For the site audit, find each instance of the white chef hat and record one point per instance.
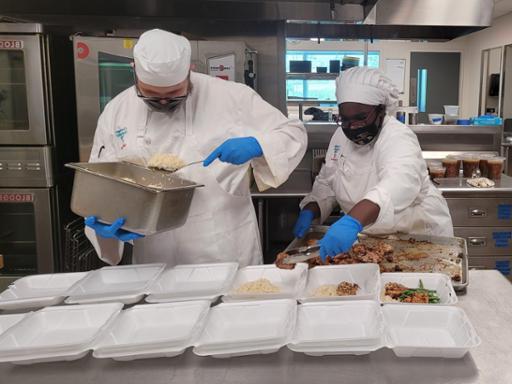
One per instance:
(162, 59)
(366, 86)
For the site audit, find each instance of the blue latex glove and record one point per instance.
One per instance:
(113, 231)
(303, 223)
(238, 150)
(340, 237)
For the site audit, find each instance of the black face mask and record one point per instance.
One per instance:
(367, 133)
(170, 105)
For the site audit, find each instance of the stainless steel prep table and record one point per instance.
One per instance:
(487, 304)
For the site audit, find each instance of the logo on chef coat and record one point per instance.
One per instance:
(336, 152)
(120, 134)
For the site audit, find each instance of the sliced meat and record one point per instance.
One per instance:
(347, 289)
(394, 290)
(279, 261)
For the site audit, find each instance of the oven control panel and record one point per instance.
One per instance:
(26, 167)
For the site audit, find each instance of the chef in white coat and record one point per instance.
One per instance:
(174, 110)
(373, 170)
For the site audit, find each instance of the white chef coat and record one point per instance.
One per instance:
(391, 173)
(222, 223)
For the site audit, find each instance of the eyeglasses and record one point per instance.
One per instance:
(359, 120)
(156, 99)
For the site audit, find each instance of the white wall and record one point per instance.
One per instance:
(499, 34)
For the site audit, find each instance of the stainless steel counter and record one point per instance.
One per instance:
(450, 185)
(487, 304)
(456, 185)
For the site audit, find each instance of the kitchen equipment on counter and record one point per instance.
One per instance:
(302, 254)
(152, 201)
(37, 136)
(435, 118)
(439, 254)
(407, 115)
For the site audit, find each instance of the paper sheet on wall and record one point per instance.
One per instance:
(395, 70)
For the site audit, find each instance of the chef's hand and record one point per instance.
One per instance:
(113, 231)
(303, 223)
(238, 150)
(340, 237)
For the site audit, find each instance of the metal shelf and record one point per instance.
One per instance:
(311, 76)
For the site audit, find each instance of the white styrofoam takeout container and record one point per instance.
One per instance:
(56, 333)
(7, 321)
(127, 284)
(150, 331)
(429, 331)
(290, 282)
(367, 276)
(436, 281)
(323, 324)
(37, 291)
(247, 328)
(193, 282)
(410, 331)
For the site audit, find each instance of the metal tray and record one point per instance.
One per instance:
(150, 201)
(452, 250)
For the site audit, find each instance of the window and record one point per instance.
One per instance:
(321, 89)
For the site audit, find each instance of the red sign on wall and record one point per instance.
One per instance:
(16, 197)
(11, 44)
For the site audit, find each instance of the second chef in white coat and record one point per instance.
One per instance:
(174, 110)
(374, 170)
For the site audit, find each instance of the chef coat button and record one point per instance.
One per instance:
(147, 140)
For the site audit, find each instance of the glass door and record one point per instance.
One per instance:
(115, 75)
(22, 101)
(26, 241)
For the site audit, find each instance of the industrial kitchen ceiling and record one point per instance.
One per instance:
(382, 19)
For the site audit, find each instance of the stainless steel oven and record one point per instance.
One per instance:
(23, 109)
(38, 136)
(103, 70)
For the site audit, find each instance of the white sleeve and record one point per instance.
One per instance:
(322, 192)
(109, 250)
(282, 140)
(400, 168)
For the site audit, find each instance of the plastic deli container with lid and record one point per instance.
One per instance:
(495, 167)
(264, 282)
(323, 282)
(193, 282)
(56, 333)
(127, 284)
(39, 290)
(470, 164)
(247, 328)
(438, 282)
(150, 331)
(452, 166)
